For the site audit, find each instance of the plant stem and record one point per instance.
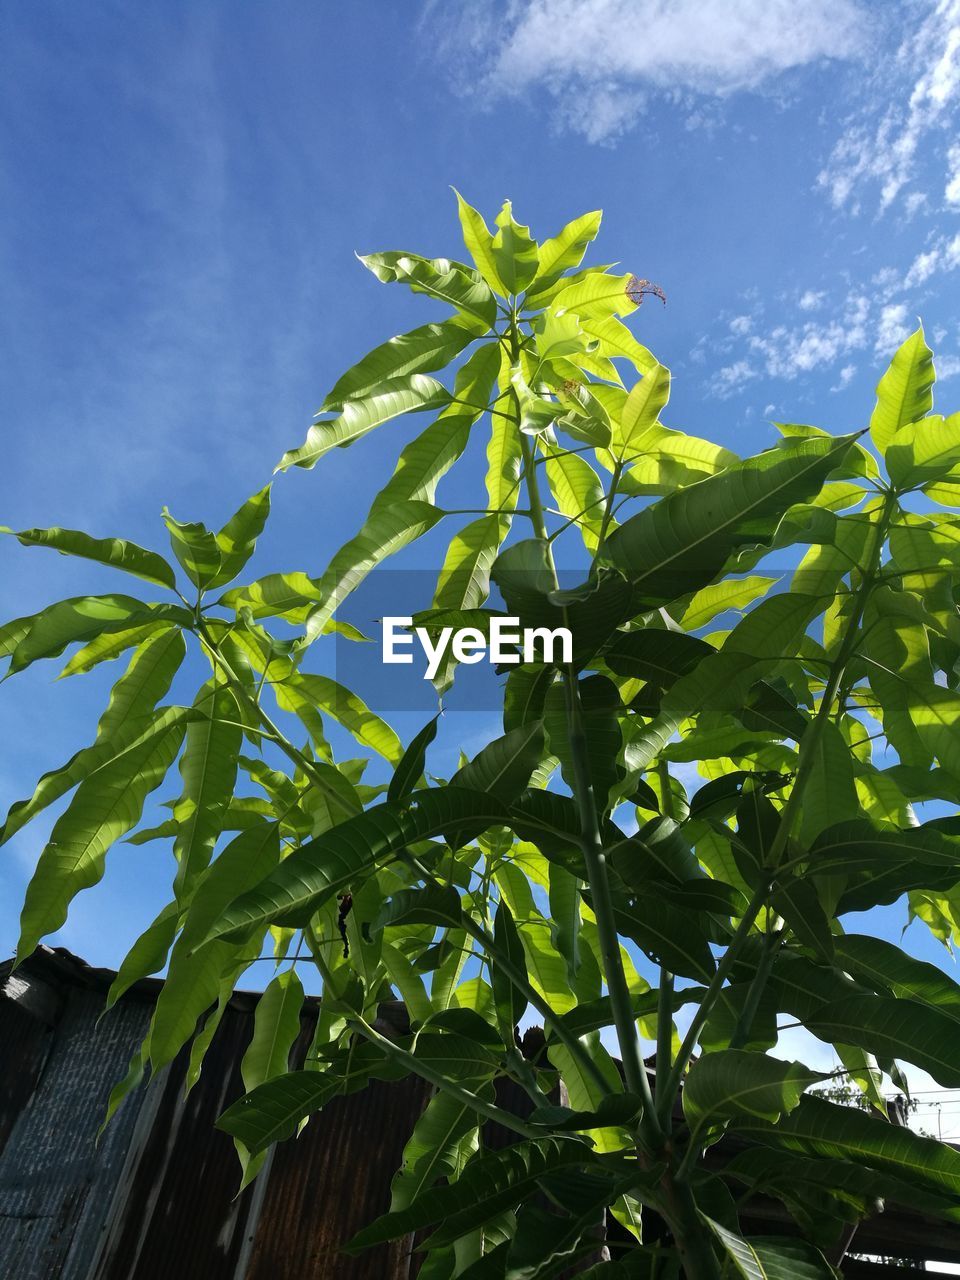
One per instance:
(695, 1248)
(665, 994)
(635, 1073)
(553, 1020)
(270, 730)
(608, 509)
(741, 1032)
(705, 1006)
(416, 1067)
(808, 748)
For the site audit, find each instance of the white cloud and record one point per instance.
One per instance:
(810, 300)
(943, 256)
(946, 367)
(892, 329)
(923, 267)
(732, 377)
(885, 153)
(741, 325)
(846, 377)
(614, 53)
(788, 352)
(952, 190)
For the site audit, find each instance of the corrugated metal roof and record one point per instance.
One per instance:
(156, 1199)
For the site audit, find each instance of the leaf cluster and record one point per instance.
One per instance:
(570, 873)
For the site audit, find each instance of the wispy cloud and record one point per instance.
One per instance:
(943, 255)
(951, 192)
(614, 54)
(892, 328)
(811, 299)
(884, 151)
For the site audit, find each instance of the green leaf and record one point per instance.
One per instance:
(578, 492)
(888, 969)
(240, 866)
(861, 846)
(560, 335)
(105, 807)
(904, 392)
(680, 543)
(514, 252)
(773, 1259)
(799, 904)
(496, 1181)
(115, 552)
(276, 1027)
(274, 1110)
(615, 339)
(146, 680)
(197, 549)
(661, 657)
(640, 412)
(466, 1058)
(47, 634)
(510, 1003)
(563, 252)
(830, 795)
(671, 935)
(315, 872)
(125, 724)
(925, 452)
(409, 771)
(822, 1128)
(430, 455)
(148, 954)
(351, 711)
(386, 530)
(238, 537)
(663, 460)
(432, 904)
(735, 1082)
(422, 350)
(439, 278)
(209, 772)
(503, 460)
(109, 647)
(600, 702)
(893, 1028)
(479, 241)
(564, 896)
(585, 1092)
(504, 766)
(732, 593)
(464, 580)
(443, 1139)
(597, 295)
(412, 393)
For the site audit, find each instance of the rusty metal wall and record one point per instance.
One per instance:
(54, 1180)
(176, 1212)
(333, 1179)
(156, 1199)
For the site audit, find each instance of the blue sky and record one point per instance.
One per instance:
(184, 187)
